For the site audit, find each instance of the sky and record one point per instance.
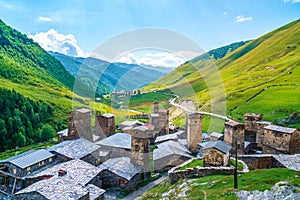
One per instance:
(78, 27)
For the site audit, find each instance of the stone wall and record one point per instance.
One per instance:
(169, 162)
(261, 161)
(295, 143)
(79, 125)
(163, 127)
(194, 130)
(276, 142)
(250, 121)
(260, 132)
(177, 175)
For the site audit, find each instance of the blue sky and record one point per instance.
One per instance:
(211, 23)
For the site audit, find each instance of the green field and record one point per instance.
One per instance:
(221, 186)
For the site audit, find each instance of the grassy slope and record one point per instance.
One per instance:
(270, 62)
(221, 186)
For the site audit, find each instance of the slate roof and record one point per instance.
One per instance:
(252, 115)
(77, 170)
(83, 110)
(74, 149)
(217, 135)
(121, 167)
(119, 140)
(141, 128)
(108, 115)
(130, 123)
(29, 158)
(280, 129)
(219, 145)
(166, 138)
(95, 191)
(154, 115)
(169, 148)
(63, 132)
(57, 188)
(205, 136)
(233, 123)
(264, 122)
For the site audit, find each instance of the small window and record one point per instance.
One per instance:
(121, 181)
(50, 159)
(14, 171)
(28, 169)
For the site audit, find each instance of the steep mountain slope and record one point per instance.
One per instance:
(111, 76)
(260, 76)
(28, 72)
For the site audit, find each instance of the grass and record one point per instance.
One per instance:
(221, 186)
(193, 164)
(271, 61)
(240, 165)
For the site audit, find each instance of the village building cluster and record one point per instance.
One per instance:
(87, 161)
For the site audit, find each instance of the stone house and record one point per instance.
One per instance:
(62, 135)
(278, 139)
(74, 179)
(170, 154)
(14, 169)
(235, 132)
(120, 172)
(105, 125)
(260, 132)
(117, 145)
(163, 125)
(216, 153)
(194, 130)
(77, 149)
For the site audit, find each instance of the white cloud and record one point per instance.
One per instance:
(161, 59)
(57, 42)
(224, 13)
(292, 1)
(241, 18)
(44, 19)
(4, 4)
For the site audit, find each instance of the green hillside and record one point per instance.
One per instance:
(36, 91)
(261, 76)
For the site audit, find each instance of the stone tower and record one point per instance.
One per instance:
(79, 124)
(163, 127)
(260, 132)
(140, 149)
(235, 131)
(194, 130)
(251, 126)
(105, 125)
(156, 107)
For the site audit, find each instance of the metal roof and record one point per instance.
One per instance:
(280, 129)
(75, 149)
(219, 145)
(29, 158)
(169, 148)
(166, 137)
(121, 167)
(119, 140)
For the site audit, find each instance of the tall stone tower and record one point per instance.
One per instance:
(140, 148)
(251, 126)
(163, 127)
(260, 132)
(105, 125)
(156, 107)
(79, 124)
(235, 131)
(194, 130)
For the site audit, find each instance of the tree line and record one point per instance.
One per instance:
(23, 121)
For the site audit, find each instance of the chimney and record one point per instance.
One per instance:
(62, 172)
